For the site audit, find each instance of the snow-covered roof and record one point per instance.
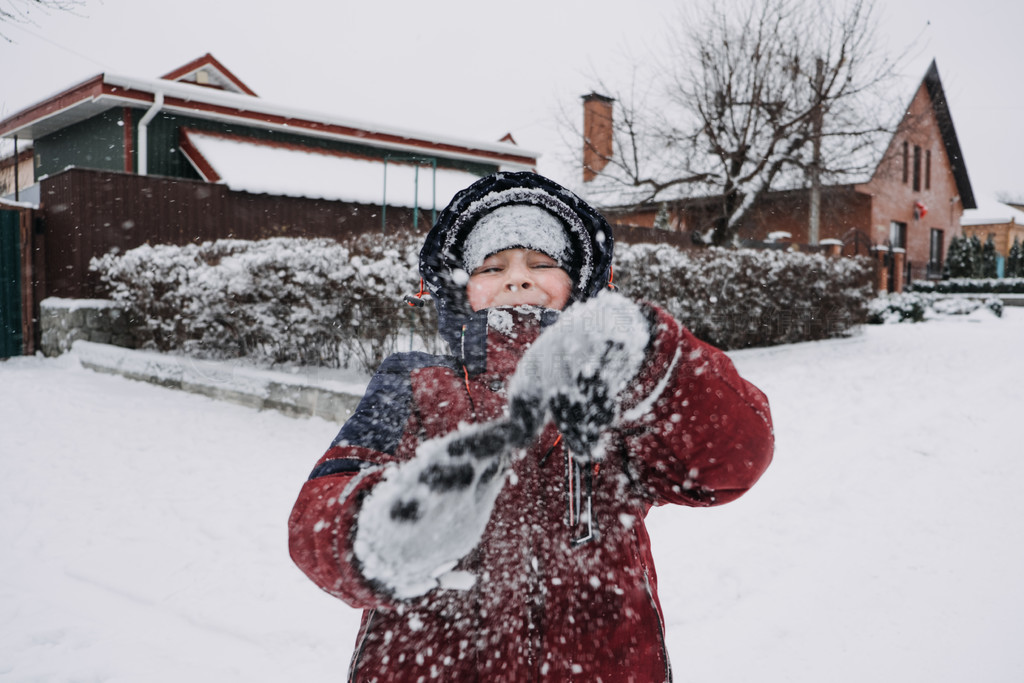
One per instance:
(230, 101)
(991, 211)
(260, 166)
(4, 201)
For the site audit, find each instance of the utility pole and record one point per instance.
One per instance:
(814, 210)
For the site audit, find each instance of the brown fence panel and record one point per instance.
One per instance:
(632, 234)
(87, 213)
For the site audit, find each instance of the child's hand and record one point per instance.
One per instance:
(578, 368)
(427, 513)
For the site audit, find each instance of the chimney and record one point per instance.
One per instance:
(597, 134)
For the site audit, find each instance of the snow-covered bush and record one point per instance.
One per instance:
(315, 301)
(739, 298)
(963, 285)
(278, 300)
(897, 308)
(919, 306)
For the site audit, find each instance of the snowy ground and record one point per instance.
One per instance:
(143, 529)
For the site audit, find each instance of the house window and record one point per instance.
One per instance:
(917, 168)
(927, 169)
(935, 253)
(906, 164)
(898, 235)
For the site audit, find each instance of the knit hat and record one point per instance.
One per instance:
(548, 224)
(516, 226)
(493, 204)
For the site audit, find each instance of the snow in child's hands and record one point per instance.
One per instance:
(579, 367)
(427, 513)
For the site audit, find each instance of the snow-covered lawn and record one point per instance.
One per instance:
(142, 530)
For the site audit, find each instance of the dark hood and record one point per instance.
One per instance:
(441, 255)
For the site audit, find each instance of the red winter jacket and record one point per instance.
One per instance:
(554, 598)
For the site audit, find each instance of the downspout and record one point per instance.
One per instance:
(143, 139)
(416, 198)
(384, 201)
(17, 178)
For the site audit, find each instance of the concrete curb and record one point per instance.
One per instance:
(295, 395)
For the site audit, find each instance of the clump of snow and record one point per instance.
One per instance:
(503, 318)
(500, 319)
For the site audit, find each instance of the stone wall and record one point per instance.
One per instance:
(62, 322)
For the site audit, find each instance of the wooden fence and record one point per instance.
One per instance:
(86, 213)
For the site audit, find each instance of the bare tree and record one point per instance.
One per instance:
(757, 95)
(22, 11)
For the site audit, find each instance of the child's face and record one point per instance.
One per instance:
(518, 277)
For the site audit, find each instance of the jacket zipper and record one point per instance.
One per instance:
(661, 627)
(358, 656)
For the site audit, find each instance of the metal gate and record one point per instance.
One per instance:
(10, 284)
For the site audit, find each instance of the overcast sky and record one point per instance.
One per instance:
(476, 69)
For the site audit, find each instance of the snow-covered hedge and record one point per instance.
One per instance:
(963, 285)
(279, 300)
(917, 307)
(315, 301)
(747, 297)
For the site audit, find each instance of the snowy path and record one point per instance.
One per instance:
(143, 529)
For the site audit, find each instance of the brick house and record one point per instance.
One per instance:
(115, 162)
(906, 212)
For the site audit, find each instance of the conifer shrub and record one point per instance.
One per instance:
(1015, 260)
(989, 261)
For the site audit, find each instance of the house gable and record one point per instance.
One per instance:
(920, 187)
(208, 72)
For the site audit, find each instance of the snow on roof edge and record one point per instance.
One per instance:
(992, 212)
(241, 102)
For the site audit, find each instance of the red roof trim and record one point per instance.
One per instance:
(208, 60)
(196, 158)
(129, 141)
(73, 95)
